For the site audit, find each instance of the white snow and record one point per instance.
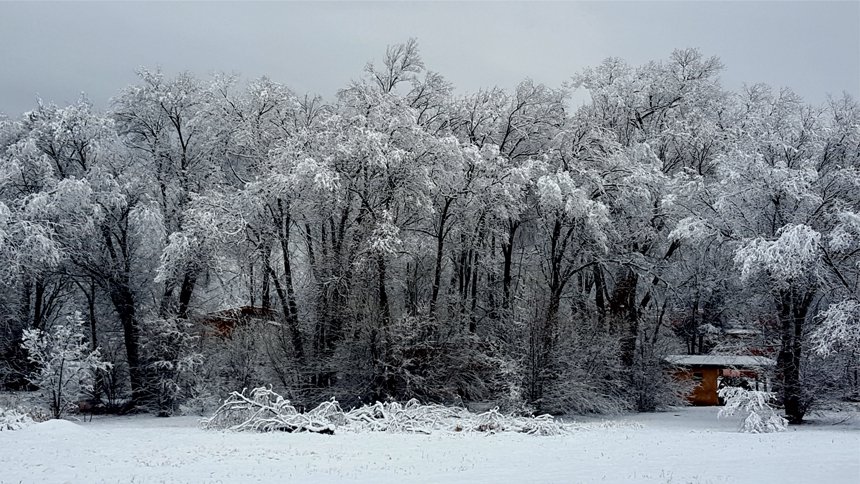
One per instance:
(57, 428)
(684, 445)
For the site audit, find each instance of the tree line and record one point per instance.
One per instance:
(413, 241)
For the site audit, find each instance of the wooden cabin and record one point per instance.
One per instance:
(708, 371)
(223, 323)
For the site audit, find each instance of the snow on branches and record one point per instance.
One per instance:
(385, 238)
(791, 255)
(846, 235)
(840, 328)
(263, 410)
(11, 419)
(65, 364)
(761, 418)
(691, 228)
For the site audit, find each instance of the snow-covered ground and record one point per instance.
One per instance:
(685, 445)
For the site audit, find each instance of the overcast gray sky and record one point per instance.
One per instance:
(57, 50)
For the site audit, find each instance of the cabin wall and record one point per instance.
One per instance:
(705, 392)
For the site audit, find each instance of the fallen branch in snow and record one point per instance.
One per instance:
(840, 422)
(264, 410)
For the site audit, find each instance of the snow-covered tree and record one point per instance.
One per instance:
(760, 416)
(65, 364)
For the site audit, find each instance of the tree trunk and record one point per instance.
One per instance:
(286, 292)
(288, 308)
(185, 292)
(437, 274)
(473, 322)
(38, 303)
(288, 282)
(492, 289)
(551, 319)
(266, 292)
(24, 309)
(91, 307)
(325, 331)
(90, 295)
(440, 243)
(793, 308)
(123, 301)
(694, 325)
(384, 305)
(623, 311)
(600, 296)
(342, 272)
(411, 289)
(507, 264)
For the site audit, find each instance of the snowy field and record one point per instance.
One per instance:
(685, 445)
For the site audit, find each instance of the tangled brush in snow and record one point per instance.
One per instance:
(14, 420)
(761, 418)
(264, 410)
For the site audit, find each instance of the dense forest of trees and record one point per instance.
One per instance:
(407, 240)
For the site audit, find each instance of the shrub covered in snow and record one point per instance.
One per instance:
(651, 386)
(263, 410)
(11, 419)
(170, 360)
(430, 361)
(583, 375)
(65, 364)
(761, 417)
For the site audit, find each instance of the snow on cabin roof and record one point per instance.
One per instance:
(720, 360)
(743, 332)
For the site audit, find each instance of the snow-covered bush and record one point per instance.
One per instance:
(170, 357)
(111, 387)
(11, 419)
(761, 417)
(583, 376)
(229, 363)
(65, 364)
(238, 362)
(651, 386)
(425, 359)
(263, 410)
(513, 399)
(202, 398)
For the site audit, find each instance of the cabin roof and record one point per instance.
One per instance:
(720, 360)
(742, 332)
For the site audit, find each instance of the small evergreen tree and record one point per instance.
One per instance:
(170, 358)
